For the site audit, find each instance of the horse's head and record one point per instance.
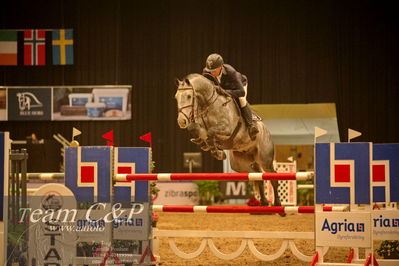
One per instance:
(193, 94)
(185, 98)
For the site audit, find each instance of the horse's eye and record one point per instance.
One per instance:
(189, 97)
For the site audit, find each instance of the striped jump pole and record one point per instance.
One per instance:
(45, 176)
(245, 209)
(300, 176)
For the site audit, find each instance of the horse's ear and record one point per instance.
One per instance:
(178, 82)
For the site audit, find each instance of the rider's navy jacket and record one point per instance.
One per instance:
(232, 81)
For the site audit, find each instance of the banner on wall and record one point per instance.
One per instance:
(66, 103)
(29, 104)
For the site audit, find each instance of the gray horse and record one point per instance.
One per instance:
(213, 119)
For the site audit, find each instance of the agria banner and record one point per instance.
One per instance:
(357, 173)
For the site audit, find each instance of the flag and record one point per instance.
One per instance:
(110, 137)
(8, 47)
(147, 138)
(318, 132)
(62, 47)
(75, 132)
(34, 47)
(353, 134)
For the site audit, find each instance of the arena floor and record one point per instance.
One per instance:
(240, 222)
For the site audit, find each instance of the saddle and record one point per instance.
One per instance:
(222, 92)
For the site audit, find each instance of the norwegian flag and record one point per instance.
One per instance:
(34, 47)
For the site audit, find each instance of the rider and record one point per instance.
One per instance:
(235, 84)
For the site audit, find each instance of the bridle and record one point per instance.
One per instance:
(180, 110)
(192, 116)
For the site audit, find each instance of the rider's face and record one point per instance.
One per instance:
(216, 72)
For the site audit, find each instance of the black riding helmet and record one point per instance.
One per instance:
(213, 62)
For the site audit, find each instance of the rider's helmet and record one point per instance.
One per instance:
(213, 62)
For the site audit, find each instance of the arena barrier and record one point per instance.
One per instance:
(348, 173)
(247, 240)
(301, 176)
(245, 209)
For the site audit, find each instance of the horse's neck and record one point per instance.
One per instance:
(204, 95)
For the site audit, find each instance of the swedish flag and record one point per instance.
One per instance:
(62, 47)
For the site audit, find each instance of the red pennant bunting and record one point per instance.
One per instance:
(109, 143)
(147, 138)
(109, 136)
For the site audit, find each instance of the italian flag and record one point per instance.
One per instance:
(8, 47)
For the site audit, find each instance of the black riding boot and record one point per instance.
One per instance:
(247, 115)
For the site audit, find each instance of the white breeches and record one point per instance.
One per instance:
(243, 100)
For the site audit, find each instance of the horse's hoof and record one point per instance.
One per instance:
(205, 147)
(223, 155)
(218, 154)
(196, 141)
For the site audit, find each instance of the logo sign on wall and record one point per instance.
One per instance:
(29, 104)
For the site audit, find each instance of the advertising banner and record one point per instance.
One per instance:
(29, 104)
(177, 193)
(65, 103)
(3, 104)
(343, 229)
(92, 103)
(385, 224)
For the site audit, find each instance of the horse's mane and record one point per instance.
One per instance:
(194, 79)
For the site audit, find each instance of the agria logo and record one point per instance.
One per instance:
(342, 227)
(27, 100)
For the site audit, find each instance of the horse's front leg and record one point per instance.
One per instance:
(198, 135)
(215, 151)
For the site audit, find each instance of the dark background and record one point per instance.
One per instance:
(292, 52)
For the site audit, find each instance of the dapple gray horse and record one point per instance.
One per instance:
(213, 119)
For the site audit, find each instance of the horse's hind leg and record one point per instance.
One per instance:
(274, 183)
(259, 187)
